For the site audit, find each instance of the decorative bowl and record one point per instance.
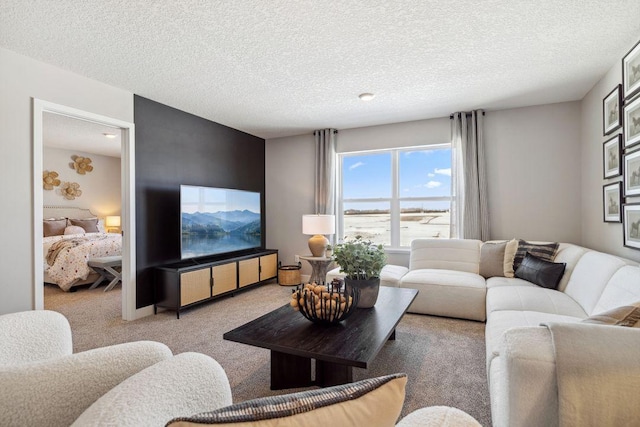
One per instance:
(325, 304)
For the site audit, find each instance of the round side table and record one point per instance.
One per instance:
(319, 266)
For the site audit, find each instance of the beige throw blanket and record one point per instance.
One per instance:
(598, 373)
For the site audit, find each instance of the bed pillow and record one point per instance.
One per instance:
(374, 401)
(541, 272)
(492, 259)
(90, 225)
(628, 315)
(54, 227)
(74, 229)
(545, 251)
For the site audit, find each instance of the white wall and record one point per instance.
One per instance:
(100, 187)
(597, 234)
(533, 158)
(21, 80)
(533, 168)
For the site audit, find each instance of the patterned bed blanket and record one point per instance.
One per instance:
(66, 256)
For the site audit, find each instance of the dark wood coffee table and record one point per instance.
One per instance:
(295, 341)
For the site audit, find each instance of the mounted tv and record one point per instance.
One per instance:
(218, 220)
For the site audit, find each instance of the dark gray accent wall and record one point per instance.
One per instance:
(174, 148)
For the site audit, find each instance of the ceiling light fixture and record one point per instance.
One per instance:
(366, 96)
(109, 135)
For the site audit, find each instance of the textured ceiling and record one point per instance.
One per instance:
(277, 68)
(64, 132)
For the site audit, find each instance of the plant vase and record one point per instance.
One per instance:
(369, 289)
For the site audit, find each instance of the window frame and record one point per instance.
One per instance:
(395, 200)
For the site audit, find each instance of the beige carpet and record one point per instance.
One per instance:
(443, 358)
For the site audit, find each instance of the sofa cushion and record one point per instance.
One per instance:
(532, 298)
(543, 273)
(447, 293)
(492, 259)
(446, 254)
(622, 288)
(374, 401)
(546, 251)
(495, 282)
(590, 276)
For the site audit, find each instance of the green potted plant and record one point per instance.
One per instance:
(362, 262)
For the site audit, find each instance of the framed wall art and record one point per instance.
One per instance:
(612, 202)
(611, 108)
(631, 72)
(632, 174)
(631, 225)
(632, 123)
(612, 157)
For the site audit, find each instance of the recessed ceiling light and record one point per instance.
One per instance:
(366, 96)
(109, 135)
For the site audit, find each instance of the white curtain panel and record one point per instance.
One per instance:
(325, 171)
(469, 206)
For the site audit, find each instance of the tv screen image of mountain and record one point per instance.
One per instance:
(218, 220)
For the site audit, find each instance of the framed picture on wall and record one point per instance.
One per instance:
(612, 202)
(611, 108)
(631, 225)
(612, 157)
(632, 123)
(632, 174)
(631, 72)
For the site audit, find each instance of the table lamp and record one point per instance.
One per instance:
(317, 226)
(112, 222)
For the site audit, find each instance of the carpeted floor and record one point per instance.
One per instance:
(443, 358)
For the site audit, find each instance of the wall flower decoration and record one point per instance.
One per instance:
(82, 165)
(50, 180)
(70, 190)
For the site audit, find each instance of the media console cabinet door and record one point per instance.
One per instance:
(224, 278)
(195, 286)
(268, 266)
(249, 271)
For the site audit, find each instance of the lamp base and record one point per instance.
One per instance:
(318, 245)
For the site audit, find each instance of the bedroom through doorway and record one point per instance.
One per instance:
(84, 208)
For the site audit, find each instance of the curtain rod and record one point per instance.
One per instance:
(451, 116)
(334, 131)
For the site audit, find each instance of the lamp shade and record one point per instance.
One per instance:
(318, 224)
(112, 221)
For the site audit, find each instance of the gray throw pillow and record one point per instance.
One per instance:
(492, 259)
(541, 272)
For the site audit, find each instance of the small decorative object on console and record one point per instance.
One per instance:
(324, 304)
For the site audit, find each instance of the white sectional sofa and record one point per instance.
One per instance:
(526, 377)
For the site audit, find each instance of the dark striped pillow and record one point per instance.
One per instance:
(347, 401)
(545, 251)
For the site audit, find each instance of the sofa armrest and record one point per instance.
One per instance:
(184, 385)
(55, 392)
(28, 336)
(522, 379)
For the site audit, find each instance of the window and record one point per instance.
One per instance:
(394, 196)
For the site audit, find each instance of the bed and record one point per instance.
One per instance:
(72, 236)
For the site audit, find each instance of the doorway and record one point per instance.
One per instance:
(127, 167)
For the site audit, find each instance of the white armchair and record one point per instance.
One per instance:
(43, 383)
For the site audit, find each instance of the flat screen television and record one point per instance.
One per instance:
(218, 220)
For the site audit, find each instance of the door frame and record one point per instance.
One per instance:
(128, 206)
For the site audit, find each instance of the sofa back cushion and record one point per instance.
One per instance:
(622, 289)
(569, 254)
(590, 276)
(445, 254)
